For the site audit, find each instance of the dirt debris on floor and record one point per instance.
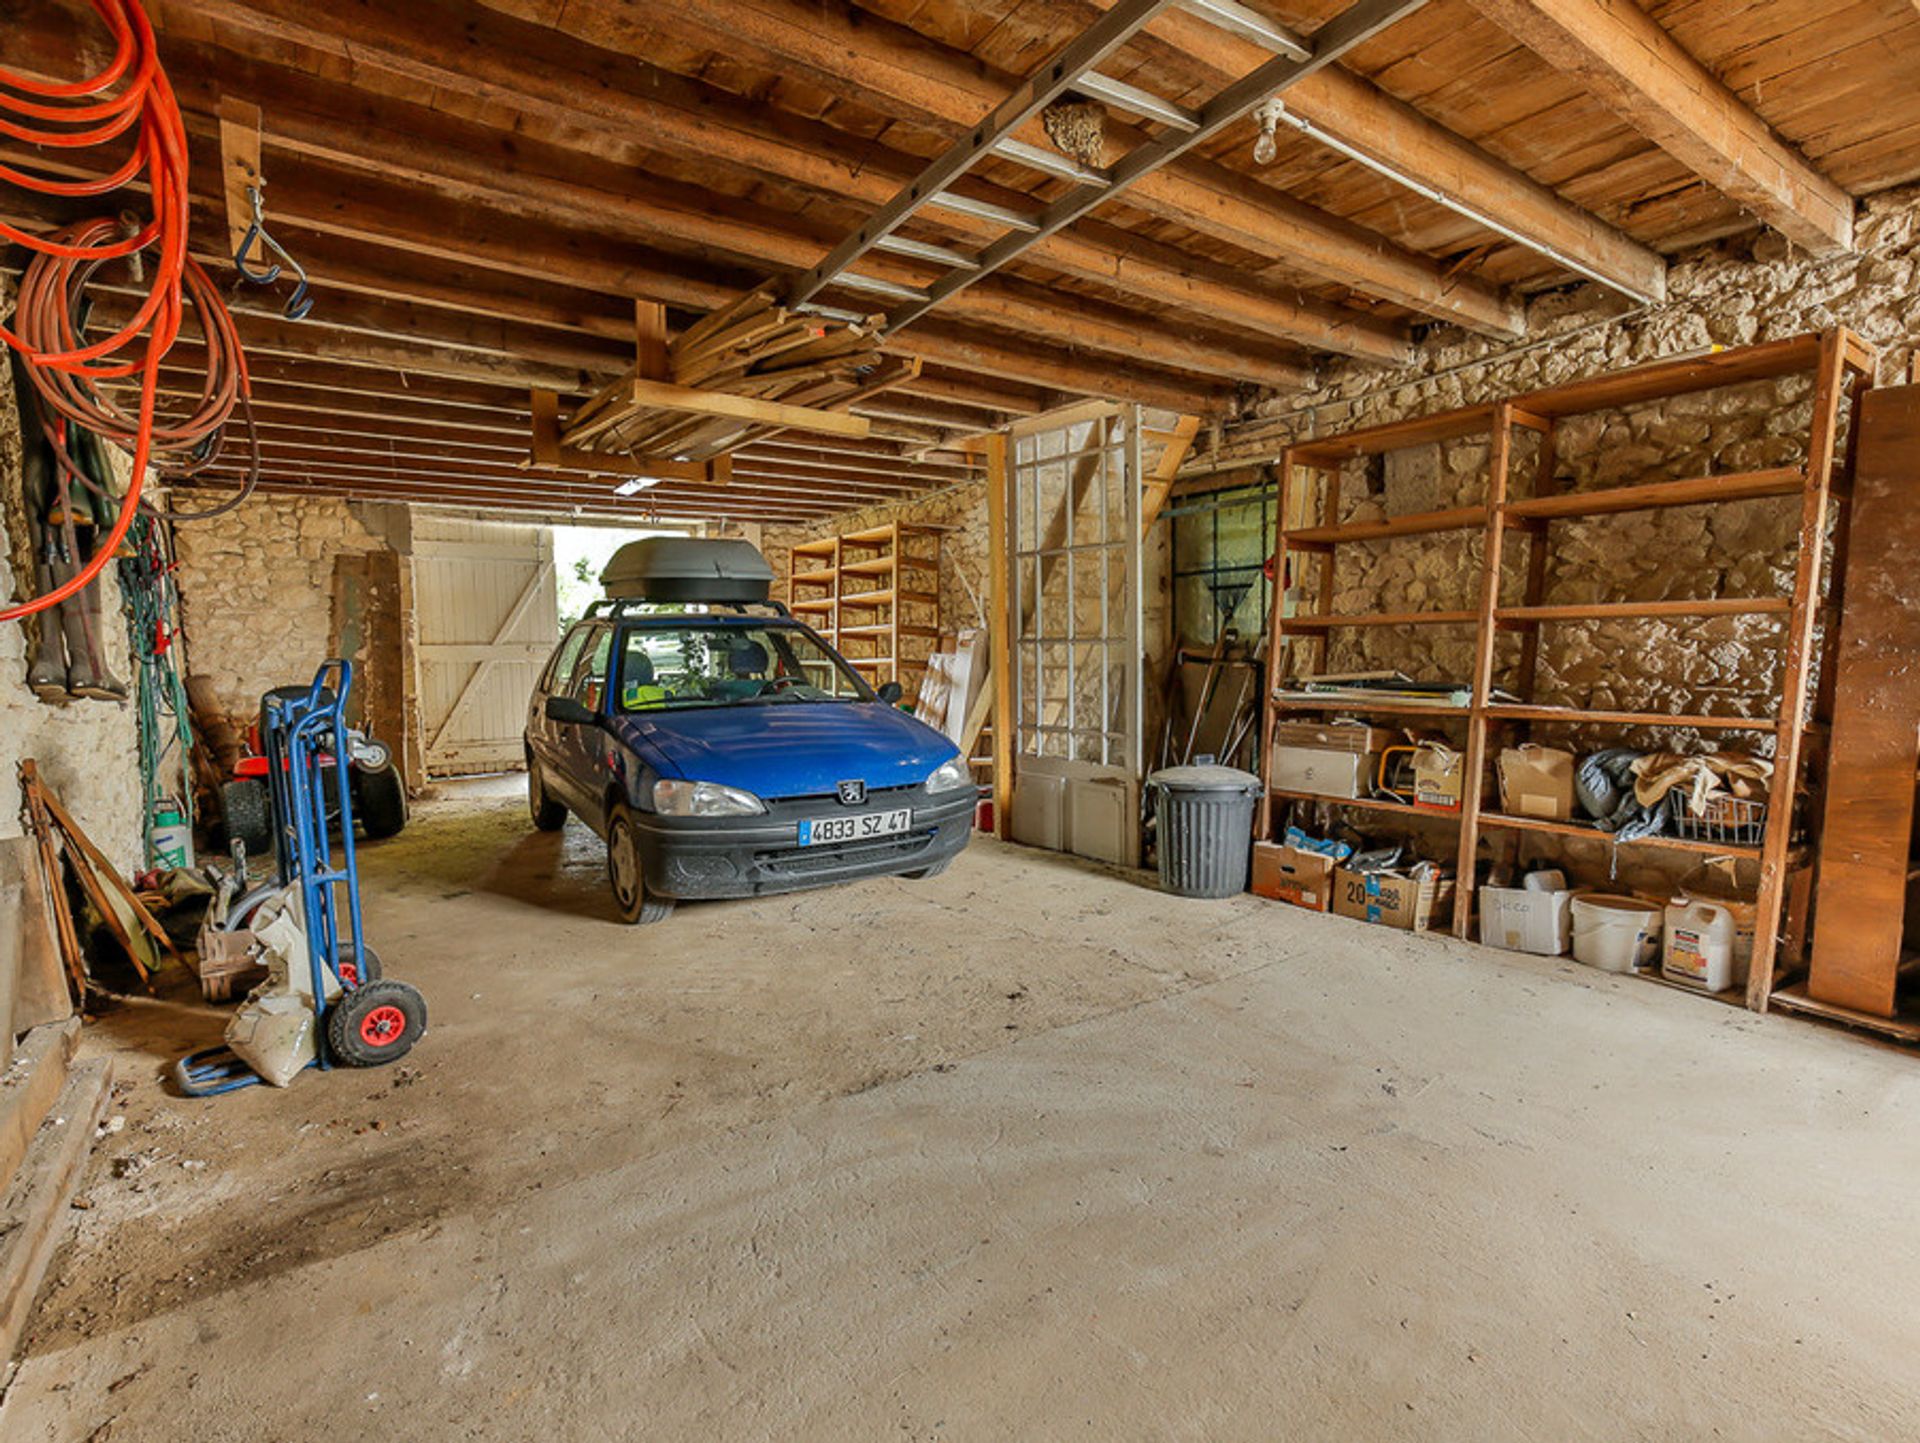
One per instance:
(1232, 1163)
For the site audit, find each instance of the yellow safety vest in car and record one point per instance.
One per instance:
(635, 697)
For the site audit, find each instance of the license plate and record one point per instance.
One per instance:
(822, 831)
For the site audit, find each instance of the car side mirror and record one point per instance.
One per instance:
(566, 709)
(890, 692)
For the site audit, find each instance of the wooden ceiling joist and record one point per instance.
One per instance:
(409, 42)
(1620, 53)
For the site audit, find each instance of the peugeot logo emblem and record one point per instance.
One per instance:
(852, 794)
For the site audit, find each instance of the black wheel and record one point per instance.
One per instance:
(626, 874)
(249, 812)
(379, 801)
(356, 969)
(925, 872)
(376, 1024)
(548, 815)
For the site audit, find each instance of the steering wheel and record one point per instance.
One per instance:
(779, 684)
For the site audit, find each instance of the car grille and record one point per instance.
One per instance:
(810, 861)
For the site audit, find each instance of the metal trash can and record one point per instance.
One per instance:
(1204, 827)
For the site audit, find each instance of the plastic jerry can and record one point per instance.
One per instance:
(172, 837)
(1699, 947)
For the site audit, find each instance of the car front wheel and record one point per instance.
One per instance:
(627, 876)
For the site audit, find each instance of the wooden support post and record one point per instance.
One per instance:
(650, 340)
(1816, 497)
(999, 631)
(240, 167)
(1499, 458)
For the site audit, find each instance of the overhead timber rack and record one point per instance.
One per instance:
(1842, 368)
(1075, 67)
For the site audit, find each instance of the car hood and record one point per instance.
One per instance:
(793, 749)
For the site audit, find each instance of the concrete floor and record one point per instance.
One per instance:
(1027, 1151)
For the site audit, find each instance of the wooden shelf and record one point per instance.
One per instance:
(1385, 707)
(1381, 618)
(1657, 495)
(1576, 716)
(1839, 363)
(1648, 610)
(1501, 822)
(1422, 523)
(1369, 804)
(875, 553)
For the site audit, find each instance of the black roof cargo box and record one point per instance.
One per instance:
(685, 568)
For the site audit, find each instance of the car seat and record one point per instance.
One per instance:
(638, 690)
(747, 661)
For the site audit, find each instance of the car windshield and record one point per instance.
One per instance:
(700, 664)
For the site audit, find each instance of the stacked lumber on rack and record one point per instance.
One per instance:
(746, 371)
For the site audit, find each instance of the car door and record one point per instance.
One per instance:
(581, 749)
(544, 736)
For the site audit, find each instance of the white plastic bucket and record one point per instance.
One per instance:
(1699, 947)
(1613, 933)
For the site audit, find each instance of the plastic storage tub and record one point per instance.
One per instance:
(1613, 933)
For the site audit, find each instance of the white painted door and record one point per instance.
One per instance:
(488, 618)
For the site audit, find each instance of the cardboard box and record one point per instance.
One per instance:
(1521, 920)
(1332, 736)
(1536, 782)
(1289, 874)
(1391, 898)
(1321, 772)
(1439, 778)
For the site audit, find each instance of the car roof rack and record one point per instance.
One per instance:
(631, 608)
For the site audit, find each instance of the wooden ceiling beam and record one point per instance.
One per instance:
(901, 71)
(905, 73)
(1626, 58)
(406, 41)
(391, 486)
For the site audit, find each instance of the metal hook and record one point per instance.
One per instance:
(299, 303)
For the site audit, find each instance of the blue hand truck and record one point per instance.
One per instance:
(374, 1020)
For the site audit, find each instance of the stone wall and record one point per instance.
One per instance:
(1734, 293)
(88, 751)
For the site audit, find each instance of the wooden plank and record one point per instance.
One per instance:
(1175, 445)
(1874, 751)
(1577, 716)
(1499, 462)
(1678, 377)
(1328, 622)
(1620, 54)
(1796, 670)
(999, 631)
(1799, 999)
(1518, 616)
(1394, 435)
(1501, 822)
(650, 340)
(30, 1087)
(1655, 495)
(1420, 523)
(668, 397)
(33, 1214)
(240, 169)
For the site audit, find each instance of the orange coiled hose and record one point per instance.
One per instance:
(48, 328)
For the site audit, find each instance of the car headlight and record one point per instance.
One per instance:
(703, 799)
(950, 776)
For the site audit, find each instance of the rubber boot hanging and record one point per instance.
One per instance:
(80, 618)
(47, 677)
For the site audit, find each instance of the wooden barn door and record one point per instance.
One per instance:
(488, 617)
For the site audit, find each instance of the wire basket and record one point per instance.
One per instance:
(1734, 820)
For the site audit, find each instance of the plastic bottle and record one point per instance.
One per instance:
(172, 838)
(1699, 947)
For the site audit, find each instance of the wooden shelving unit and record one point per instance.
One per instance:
(1841, 365)
(873, 593)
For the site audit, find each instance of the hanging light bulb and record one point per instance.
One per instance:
(1267, 117)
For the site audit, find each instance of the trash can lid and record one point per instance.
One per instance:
(1205, 779)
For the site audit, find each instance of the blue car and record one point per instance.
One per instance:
(724, 749)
